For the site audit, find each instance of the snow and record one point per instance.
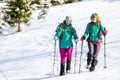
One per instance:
(29, 55)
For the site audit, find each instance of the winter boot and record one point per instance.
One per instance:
(89, 61)
(62, 69)
(94, 63)
(68, 65)
(88, 66)
(92, 68)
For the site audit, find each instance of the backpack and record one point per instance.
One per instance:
(63, 29)
(100, 32)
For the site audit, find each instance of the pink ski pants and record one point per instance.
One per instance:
(65, 53)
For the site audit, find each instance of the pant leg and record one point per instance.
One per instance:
(69, 52)
(63, 55)
(96, 50)
(90, 53)
(95, 55)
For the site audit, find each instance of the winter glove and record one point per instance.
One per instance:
(100, 40)
(55, 38)
(82, 38)
(105, 31)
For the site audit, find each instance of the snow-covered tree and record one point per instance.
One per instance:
(60, 2)
(18, 11)
(45, 4)
(1, 22)
(57, 2)
(70, 1)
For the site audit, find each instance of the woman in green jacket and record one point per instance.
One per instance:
(64, 33)
(93, 33)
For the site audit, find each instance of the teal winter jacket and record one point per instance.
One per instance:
(65, 40)
(92, 32)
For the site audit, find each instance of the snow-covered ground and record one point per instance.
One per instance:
(29, 55)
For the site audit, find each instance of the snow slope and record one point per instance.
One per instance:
(29, 55)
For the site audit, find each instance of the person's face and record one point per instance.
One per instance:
(68, 22)
(93, 19)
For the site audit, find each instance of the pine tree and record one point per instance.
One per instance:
(35, 2)
(18, 11)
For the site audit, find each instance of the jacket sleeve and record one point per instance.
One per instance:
(86, 31)
(102, 29)
(59, 31)
(75, 34)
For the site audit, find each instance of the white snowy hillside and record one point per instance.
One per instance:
(29, 55)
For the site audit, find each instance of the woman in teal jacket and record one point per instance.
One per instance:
(64, 33)
(93, 31)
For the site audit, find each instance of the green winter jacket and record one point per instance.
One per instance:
(92, 32)
(65, 40)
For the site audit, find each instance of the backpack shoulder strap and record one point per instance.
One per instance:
(100, 33)
(99, 24)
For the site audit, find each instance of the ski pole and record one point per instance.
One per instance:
(80, 56)
(105, 52)
(54, 56)
(75, 57)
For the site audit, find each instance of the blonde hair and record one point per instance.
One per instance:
(97, 17)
